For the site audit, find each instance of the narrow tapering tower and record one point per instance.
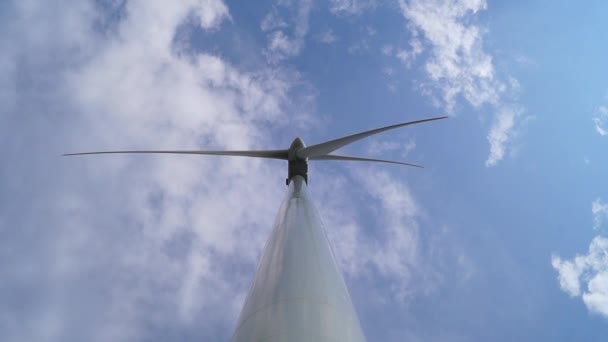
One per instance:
(298, 294)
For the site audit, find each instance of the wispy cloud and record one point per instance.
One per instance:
(407, 56)
(586, 276)
(328, 37)
(389, 251)
(363, 42)
(458, 65)
(523, 60)
(601, 121)
(286, 26)
(501, 133)
(377, 147)
(599, 209)
(350, 7)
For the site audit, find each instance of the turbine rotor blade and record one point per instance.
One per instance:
(272, 154)
(349, 158)
(332, 145)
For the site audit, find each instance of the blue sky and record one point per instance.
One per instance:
(501, 237)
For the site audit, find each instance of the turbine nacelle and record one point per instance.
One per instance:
(298, 154)
(296, 165)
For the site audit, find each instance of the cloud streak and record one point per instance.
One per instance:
(601, 121)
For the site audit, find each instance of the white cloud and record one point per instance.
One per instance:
(569, 272)
(127, 248)
(457, 65)
(601, 121)
(211, 13)
(586, 276)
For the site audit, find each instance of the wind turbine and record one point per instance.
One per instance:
(298, 293)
